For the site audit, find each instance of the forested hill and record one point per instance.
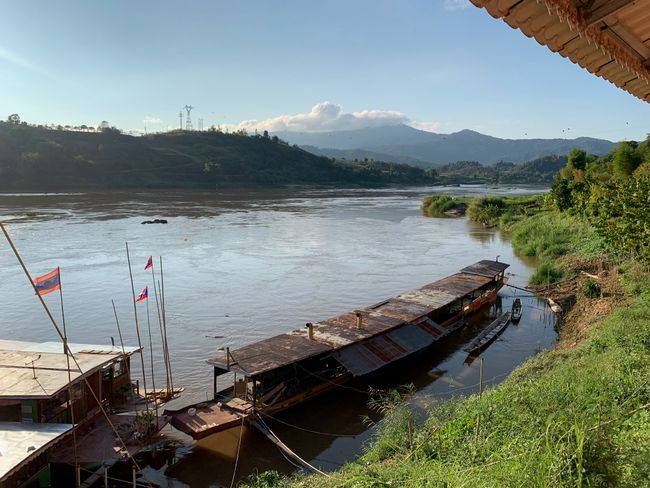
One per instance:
(40, 159)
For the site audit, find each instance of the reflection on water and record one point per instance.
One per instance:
(242, 266)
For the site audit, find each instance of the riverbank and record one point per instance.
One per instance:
(576, 415)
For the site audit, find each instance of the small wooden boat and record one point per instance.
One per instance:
(516, 310)
(489, 334)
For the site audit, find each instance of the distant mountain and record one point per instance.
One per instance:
(428, 148)
(39, 159)
(361, 155)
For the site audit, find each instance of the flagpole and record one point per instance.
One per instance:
(162, 337)
(70, 393)
(137, 326)
(119, 331)
(153, 376)
(164, 315)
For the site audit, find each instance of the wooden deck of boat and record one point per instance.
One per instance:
(96, 442)
(209, 418)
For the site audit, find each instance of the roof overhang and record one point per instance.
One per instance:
(609, 38)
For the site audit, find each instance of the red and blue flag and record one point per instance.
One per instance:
(149, 263)
(48, 283)
(144, 295)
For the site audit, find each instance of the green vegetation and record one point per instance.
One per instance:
(444, 205)
(535, 172)
(43, 159)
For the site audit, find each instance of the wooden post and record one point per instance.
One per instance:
(162, 335)
(134, 478)
(77, 476)
(214, 396)
(106, 477)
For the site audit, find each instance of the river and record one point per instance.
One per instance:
(242, 266)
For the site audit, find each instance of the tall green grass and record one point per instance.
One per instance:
(566, 418)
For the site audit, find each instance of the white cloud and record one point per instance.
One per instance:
(149, 120)
(456, 4)
(427, 126)
(325, 116)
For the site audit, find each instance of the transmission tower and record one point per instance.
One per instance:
(188, 121)
(200, 124)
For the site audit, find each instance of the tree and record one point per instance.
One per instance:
(626, 159)
(14, 119)
(265, 134)
(577, 158)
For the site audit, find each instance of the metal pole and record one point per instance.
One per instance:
(137, 326)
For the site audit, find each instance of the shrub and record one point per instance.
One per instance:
(546, 273)
(590, 289)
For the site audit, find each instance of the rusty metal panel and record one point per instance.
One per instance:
(405, 311)
(270, 354)
(459, 284)
(369, 356)
(431, 298)
(486, 268)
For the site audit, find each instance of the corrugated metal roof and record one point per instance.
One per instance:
(57, 346)
(370, 355)
(609, 38)
(21, 441)
(486, 268)
(51, 369)
(337, 332)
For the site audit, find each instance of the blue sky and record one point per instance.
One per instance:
(430, 63)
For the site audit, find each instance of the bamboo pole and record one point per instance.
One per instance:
(162, 336)
(119, 331)
(153, 376)
(164, 315)
(137, 326)
(70, 393)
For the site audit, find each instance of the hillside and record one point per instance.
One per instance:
(400, 141)
(538, 171)
(38, 159)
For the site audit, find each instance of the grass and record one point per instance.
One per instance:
(574, 416)
(437, 205)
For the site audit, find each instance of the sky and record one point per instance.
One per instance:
(438, 65)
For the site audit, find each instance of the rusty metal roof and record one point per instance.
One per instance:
(338, 332)
(485, 268)
(609, 38)
(370, 355)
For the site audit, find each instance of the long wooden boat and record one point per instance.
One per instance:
(489, 334)
(277, 373)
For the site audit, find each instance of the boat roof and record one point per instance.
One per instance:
(20, 442)
(20, 361)
(337, 332)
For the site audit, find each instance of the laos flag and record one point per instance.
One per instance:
(48, 283)
(144, 295)
(149, 263)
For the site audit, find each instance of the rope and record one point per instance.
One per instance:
(283, 445)
(234, 471)
(306, 430)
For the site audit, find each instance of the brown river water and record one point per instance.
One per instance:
(243, 266)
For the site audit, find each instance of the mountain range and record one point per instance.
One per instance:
(405, 144)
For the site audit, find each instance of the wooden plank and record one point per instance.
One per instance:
(604, 9)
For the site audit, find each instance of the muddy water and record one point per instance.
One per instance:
(242, 266)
